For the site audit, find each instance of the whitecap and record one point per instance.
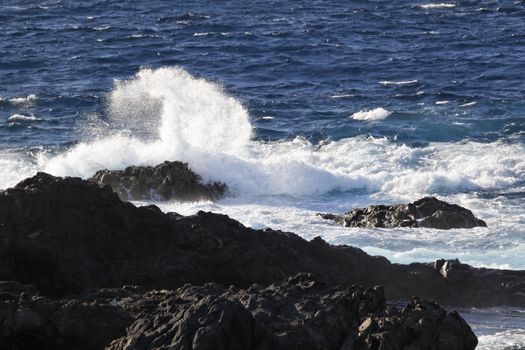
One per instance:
(373, 114)
(24, 118)
(437, 6)
(402, 82)
(468, 104)
(29, 99)
(342, 96)
(442, 102)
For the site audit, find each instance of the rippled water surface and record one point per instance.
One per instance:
(299, 106)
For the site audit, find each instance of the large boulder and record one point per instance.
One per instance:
(169, 180)
(427, 212)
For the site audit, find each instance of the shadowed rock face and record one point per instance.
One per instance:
(427, 212)
(30, 321)
(299, 313)
(169, 180)
(66, 235)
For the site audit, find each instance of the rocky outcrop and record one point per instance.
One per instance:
(426, 212)
(301, 312)
(66, 235)
(169, 180)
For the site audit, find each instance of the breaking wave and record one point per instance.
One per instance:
(168, 114)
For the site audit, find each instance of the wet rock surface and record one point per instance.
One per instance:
(169, 180)
(427, 212)
(300, 312)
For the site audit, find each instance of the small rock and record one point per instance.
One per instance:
(426, 212)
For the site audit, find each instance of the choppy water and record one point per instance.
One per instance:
(299, 106)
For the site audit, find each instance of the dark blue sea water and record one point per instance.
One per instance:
(299, 106)
(308, 64)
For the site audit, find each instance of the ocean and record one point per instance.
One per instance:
(298, 106)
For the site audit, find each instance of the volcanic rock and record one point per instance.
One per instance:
(300, 313)
(169, 180)
(427, 212)
(30, 321)
(67, 235)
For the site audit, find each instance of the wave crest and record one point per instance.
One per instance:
(373, 114)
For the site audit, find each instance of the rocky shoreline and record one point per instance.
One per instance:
(86, 270)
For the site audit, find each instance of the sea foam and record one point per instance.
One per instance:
(168, 114)
(21, 101)
(23, 117)
(437, 6)
(373, 114)
(508, 339)
(402, 82)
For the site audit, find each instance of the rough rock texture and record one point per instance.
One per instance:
(299, 313)
(420, 325)
(68, 235)
(169, 180)
(29, 321)
(425, 212)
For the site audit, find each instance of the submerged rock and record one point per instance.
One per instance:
(300, 312)
(66, 235)
(427, 212)
(169, 180)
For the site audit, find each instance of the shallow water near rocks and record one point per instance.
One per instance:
(314, 107)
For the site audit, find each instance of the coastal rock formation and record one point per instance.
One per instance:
(169, 180)
(30, 321)
(67, 235)
(427, 212)
(299, 313)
